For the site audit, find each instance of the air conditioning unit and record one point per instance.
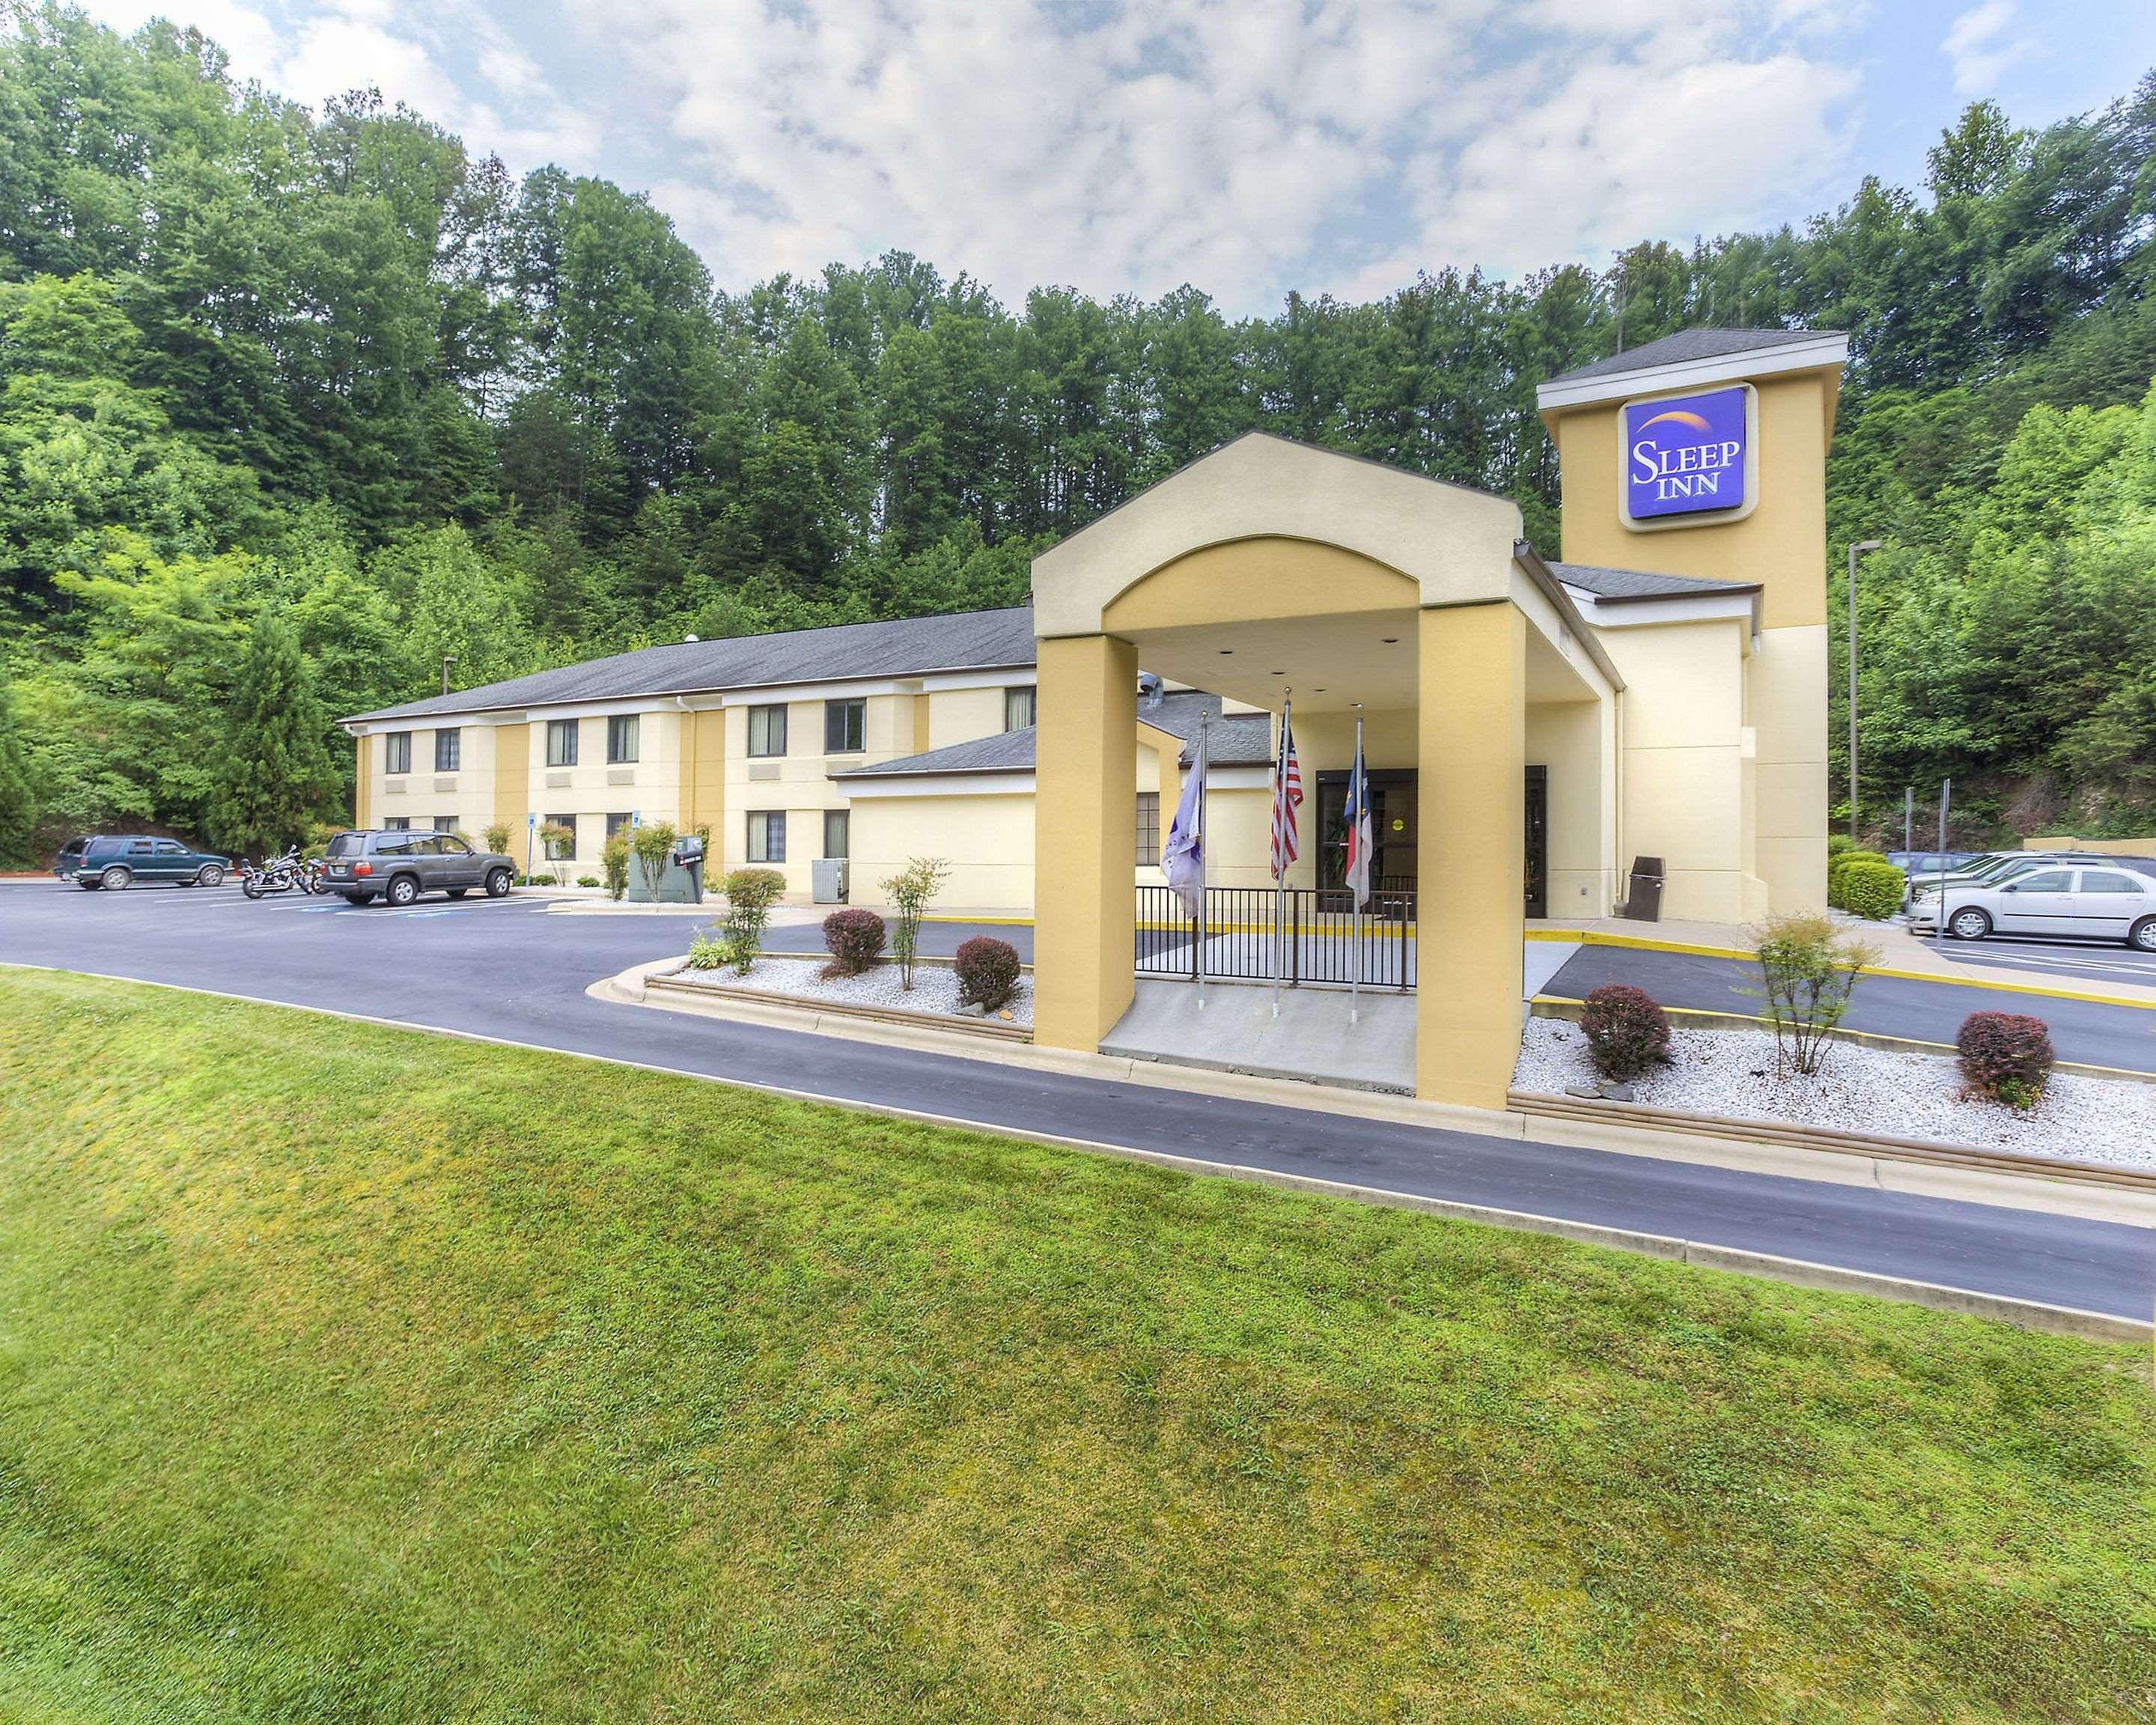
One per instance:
(828, 879)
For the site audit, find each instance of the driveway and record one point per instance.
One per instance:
(508, 969)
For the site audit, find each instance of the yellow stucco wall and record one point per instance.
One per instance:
(1685, 763)
(1083, 927)
(1777, 801)
(987, 840)
(1568, 738)
(1254, 579)
(1473, 718)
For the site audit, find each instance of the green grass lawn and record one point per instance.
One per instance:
(349, 1373)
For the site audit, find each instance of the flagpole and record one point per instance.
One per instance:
(1199, 766)
(1355, 894)
(1279, 811)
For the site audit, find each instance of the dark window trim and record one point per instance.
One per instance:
(767, 754)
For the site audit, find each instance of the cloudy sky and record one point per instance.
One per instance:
(1247, 146)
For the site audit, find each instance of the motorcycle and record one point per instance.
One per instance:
(287, 874)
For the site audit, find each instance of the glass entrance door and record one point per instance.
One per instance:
(1392, 823)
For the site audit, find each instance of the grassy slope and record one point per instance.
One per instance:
(346, 1373)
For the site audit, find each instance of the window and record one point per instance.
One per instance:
(140, 847)
(1018, 708)
(452, 845)
(766, 731)
(767, 835)
(448, 750)
(561, 849)
(397, 752)
(845, 726)
(348, 845)
(621, 739)
(618, 823)
(445, 823)
(2049, 880)
(170, 847)
(560, 743)
(393, 847)
(2097, 880)
(1148, 830)
(838, 831)
(428, 846)
(397, 823)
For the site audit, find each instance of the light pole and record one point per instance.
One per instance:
(1857, 548)
(450, 659)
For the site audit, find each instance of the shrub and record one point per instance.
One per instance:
(497, 839)
(1811, 968)
(1868, 889)
(613, 858)
(588, 880)
(750, 895)
(551, 838)
(910, 891)
(854, 938)
(652, 845)
(1626, 1031)
(2006, 1056)
(1837, 843)
(709, 951)
(988, 972)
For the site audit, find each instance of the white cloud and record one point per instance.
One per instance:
(1246, 146)
(1980, 44)
(401, 49)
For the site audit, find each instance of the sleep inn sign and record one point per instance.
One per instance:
(1688, 455)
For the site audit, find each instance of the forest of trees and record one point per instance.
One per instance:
(292, 406)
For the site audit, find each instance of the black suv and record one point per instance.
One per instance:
(401, 865)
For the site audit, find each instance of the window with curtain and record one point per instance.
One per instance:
(766, 731)
(448, 750)
(621, 739)
(1018, 708)
(560, 743)
(397, 752)
(838, 831)
(561, 849)
(767, 835)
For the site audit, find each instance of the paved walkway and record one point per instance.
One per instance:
(512, 970)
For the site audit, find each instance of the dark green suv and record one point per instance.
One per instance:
(115, 861)
(399, 865)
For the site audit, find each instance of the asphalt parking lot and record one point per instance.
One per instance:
(512, 970)
(2093, 962)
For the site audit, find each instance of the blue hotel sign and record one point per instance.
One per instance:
(1688, 454)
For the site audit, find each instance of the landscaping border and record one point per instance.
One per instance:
(671, 982)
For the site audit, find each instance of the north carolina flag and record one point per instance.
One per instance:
(1360, 836)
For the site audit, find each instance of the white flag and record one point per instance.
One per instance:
(1182, 852)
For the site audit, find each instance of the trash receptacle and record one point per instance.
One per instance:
(1644, 903)
(827, 879)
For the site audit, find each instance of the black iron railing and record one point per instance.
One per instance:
(1251, 933)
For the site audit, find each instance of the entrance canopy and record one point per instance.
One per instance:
(1270, 567)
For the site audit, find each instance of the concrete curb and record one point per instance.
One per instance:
(2026, 1314)
(1972, 979)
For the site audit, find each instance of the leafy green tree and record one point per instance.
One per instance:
(18, 802)
(274, 770)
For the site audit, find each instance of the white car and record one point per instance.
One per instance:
(2100, 904)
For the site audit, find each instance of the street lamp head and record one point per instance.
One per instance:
(1863, 545)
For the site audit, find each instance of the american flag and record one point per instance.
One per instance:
(1287, 795)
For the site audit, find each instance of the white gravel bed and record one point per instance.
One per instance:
(935, 986)
(1731, 1074)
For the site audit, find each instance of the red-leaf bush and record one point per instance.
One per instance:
(2005, 1056)
(855, 939)
(1626, 1031)
(988, 971)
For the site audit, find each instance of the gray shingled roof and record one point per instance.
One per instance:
(1687, 345)
(1006, 752)
(1237, 739)
(1606, 583)
(967, 640)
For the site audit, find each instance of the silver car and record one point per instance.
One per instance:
(2109, 903)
